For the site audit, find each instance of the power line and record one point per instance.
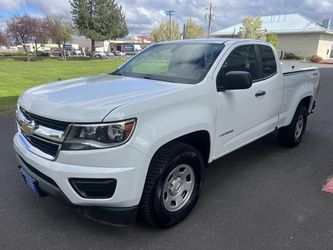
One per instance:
(169, 13)
(210, 17)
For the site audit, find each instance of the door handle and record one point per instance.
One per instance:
(260, 93)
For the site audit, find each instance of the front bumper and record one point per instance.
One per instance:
(109, 215)
(124, 164)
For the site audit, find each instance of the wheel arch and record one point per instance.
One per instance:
(200, 140)
(306, 100)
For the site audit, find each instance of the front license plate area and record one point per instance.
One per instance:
(31, 182)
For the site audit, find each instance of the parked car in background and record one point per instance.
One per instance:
(100, 55)
(110, 54)
(77, 52)
(119, 53)
(139, 139)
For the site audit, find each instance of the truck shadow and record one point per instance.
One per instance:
(244, 158)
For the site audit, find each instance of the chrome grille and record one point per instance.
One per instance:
(46, 122)
(44, 135)
(45, 146)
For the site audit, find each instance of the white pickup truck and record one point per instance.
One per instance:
(137, 141)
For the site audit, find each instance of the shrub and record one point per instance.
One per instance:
(9, 53)
(315, 59)
(292, 56)
(42, 53)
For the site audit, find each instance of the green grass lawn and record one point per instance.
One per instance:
(17, 76)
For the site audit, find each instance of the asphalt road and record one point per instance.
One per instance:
(262, 196)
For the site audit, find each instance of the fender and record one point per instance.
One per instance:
(296, 89)
(167, 117)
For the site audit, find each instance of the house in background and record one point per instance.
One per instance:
(297, 34)
(133, 43)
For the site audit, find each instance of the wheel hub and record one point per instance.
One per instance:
(178, 187)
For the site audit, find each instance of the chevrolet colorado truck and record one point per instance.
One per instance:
(136, 142)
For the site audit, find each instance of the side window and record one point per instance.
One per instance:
(268, 62)
(242, 58)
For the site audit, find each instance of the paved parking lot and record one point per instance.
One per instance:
(260, 197)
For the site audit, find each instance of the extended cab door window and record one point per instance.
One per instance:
(242, 58)
(267, 61)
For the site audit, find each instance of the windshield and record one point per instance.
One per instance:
(174, 62)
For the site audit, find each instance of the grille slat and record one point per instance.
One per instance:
(43, 145)
(46, 146)
(46, 122)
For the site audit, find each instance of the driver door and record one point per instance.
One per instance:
(241, 114)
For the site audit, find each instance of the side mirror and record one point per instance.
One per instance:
(234, 80)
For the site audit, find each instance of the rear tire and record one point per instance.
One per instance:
(173, 185)
(291, 136)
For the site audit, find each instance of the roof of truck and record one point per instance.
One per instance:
(214, 40)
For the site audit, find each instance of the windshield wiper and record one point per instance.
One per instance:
(116, 73)
(157, 78)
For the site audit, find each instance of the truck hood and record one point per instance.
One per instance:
(90, 99)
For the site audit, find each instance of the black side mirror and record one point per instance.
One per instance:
(234, 80)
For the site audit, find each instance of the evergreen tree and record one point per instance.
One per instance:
(98, 20)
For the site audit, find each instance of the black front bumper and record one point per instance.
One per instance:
(106, 215)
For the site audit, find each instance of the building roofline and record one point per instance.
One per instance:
(316, 27)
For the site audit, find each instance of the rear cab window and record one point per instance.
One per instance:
(268, 62)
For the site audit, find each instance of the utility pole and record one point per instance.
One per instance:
(170, 13)
(184, 31)
(210, 16)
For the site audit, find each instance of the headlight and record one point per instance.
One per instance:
(96, 136)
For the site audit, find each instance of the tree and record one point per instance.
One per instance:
(193, 30)
(59, 32)
(4, 39)
(40, 33)
(22, 29)
(162, 32)
(98, 19)
(252, 28)
(273, 39)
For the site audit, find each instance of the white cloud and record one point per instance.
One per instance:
(55, 7)
(3, 24)
(143, 15)
(11, 4)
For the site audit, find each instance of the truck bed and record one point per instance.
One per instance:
(295, 67)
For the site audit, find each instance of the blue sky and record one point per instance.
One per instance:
(143, 15)
(26, 9)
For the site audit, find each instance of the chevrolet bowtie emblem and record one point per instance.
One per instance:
(29, 127)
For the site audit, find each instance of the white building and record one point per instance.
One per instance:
(297, 34)
(109, 45)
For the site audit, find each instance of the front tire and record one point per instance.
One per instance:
(173, 184)
(291, 136)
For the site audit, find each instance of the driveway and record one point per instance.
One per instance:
(262, 196)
